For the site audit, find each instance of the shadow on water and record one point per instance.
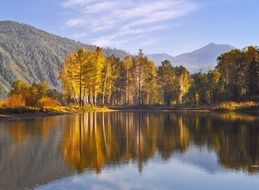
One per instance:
(36, 152)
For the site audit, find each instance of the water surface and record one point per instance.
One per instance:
(131, 150)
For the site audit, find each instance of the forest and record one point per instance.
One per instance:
(92, 78)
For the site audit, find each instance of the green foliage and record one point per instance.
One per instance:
(236, 78)
(174, 82)
(29, 54)
(167, 81)
(107, 80)
(239, 73)
(95, 76)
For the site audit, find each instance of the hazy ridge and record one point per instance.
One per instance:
(202, 59)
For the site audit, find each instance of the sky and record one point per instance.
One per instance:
(156, 26)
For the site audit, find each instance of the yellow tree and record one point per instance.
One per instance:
(128, 65)
(94, 78)
(184, 82)
(72, 74)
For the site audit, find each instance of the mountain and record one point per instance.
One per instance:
(30, 54)
(159, 57)
(202, 59)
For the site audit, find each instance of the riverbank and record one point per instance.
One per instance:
(34, 113)
(29, 113)
(221, 107)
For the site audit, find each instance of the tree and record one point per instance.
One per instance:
(167, 81)
(82, 74)
(69, 75)
(238, 70)
(184, 82)
(128, 65)
(253, 78)
(228, 64)
(145, 74)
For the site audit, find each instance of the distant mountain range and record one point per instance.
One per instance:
(31, 54)
(202, 59)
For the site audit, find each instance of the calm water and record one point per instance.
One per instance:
(120, 150)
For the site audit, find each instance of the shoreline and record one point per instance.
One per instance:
(30, 113)
(39, 115)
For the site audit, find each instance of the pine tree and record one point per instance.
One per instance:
(253, 78)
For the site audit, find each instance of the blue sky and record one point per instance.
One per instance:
(157, 26)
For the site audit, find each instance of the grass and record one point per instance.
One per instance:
(224, 106)
(136, 107)
(236, 106)
(56, 109)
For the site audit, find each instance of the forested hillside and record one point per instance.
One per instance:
(32, 55)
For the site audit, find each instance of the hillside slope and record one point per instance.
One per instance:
(32, 55)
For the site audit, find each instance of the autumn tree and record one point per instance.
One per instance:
(129, 93)
(184, 83)
(145, 75)
(82, 74)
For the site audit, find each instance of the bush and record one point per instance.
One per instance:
(235, 105)
(15, 101)
(2, 102)
(47, 102)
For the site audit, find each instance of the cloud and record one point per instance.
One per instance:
(69, 3)
(75, 22)
(124, 36)
(115, 21)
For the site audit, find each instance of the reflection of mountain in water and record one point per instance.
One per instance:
(38, 151)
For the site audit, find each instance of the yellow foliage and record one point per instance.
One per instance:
(2, 102)
(235, 105)
(15, 101)
(47, 102)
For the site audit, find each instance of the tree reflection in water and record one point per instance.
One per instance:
(43, 150)
(95, 140)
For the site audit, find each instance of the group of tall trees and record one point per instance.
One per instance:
(92, 78)
(174, 82)
(235, 78)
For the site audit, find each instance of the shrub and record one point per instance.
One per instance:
(47, 102)
(15, 101)
(235, 105)
(2, 102)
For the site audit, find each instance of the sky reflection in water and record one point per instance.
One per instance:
(123, 150)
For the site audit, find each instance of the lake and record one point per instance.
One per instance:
(131, 151)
